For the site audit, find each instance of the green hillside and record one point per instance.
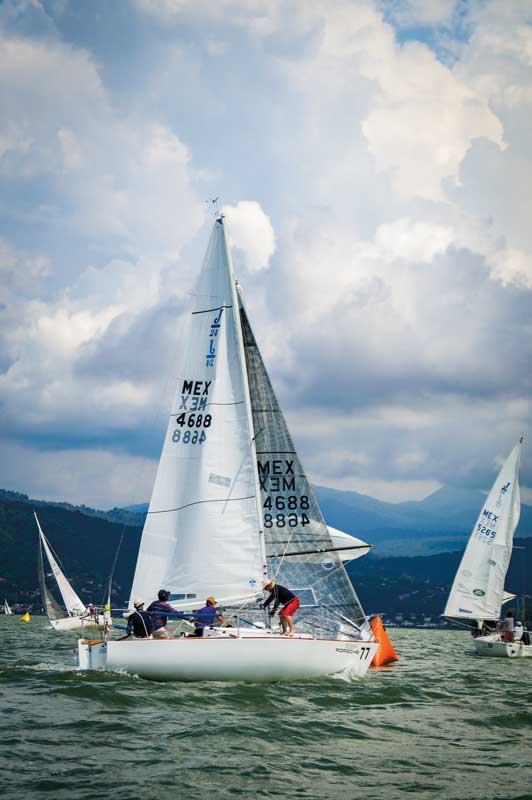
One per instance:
(86, 545)
(86, 541)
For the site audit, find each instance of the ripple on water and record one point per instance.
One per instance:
(438, 724)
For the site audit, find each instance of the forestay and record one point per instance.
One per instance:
(292, 518)
(478, 588)
(201, 535)
(72, 602)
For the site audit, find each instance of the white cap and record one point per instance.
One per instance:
(138, 601)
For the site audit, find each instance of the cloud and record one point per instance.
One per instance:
(423, 121)
(77, 475)
(250, 231)
(384, 254)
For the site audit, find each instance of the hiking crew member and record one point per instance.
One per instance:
(289, 602)
(139, 622)
(207, 616)
(160, 620)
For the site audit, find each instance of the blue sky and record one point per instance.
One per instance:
(374, 163)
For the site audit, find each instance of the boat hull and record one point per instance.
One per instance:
(226, 658)
(494, 647)
(76, 623)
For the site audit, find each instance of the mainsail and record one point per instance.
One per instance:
(71, 600)
(292, 518)
(7, 609)
(201, 535)
(478, 588)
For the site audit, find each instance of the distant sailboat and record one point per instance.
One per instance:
(230, 507)
(77, 615)
(7, 609)
(478, 590)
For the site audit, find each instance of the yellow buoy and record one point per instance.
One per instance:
(25, 617)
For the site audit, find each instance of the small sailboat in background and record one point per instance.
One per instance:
(478, 590)
(7, 609)
(77, 615)
(231, 507)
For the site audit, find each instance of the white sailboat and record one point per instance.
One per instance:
(7, 609)
(231, 505)
(77, 615)
(478, 590)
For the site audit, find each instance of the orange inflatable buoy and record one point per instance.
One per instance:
(385, 654)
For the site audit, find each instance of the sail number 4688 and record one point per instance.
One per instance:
(282, 520)
(192, 422)
(189, 437)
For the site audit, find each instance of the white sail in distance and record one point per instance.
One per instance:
(478, 588)
(72, 602)
(7, 609)
(201, 535)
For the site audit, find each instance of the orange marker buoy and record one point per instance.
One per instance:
(385, 654)
(25, 617)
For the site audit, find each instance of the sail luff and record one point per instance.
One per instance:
(478, 588)
(240, 304)
(71, 600)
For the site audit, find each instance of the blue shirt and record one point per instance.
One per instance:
(207, 616)
(159, 620)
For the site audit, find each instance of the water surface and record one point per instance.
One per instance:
(442, 723)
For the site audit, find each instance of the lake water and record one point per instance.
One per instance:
(442, 723)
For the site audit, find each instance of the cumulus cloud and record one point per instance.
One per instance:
(250, 231)
(384, 253)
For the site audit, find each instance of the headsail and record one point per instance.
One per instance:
(292, 518)
(478, 588)
(71, 600)
(201, 536)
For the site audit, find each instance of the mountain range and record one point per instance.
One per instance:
(416, 547)
(439, 523)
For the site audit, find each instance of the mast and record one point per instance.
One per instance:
(237, 301)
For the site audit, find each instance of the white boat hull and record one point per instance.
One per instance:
(494, 646)
(76, 623)
(230, 658)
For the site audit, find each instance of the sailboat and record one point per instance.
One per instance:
(76, 615)
(478, 590)
(231, 507)
(7, 609)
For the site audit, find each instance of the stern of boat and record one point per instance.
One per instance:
(92, 654)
